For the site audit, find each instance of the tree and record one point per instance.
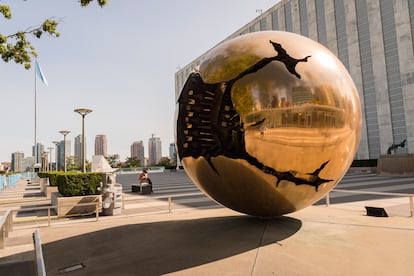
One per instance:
(113, 160)
(132, 162)
(72, 164)
(165, 161)
(17, 46)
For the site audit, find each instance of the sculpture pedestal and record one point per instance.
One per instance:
(396, 165)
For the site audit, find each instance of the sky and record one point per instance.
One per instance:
(118, 61)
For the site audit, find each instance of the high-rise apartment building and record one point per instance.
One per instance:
(61, 148)
(17, 162)
(374, 40)
(37, 151)
(154, 150)
(137, 151)
(101, 145)
(78, 150)
(172, 153)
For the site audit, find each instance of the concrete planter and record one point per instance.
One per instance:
(66, 205)
(49, 190)
(396, 165)
(43, 182)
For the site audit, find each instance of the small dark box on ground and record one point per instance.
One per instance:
(376, 211)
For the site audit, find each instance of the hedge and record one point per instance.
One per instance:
(74, 184)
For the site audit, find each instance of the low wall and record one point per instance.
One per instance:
(43, 182)
(65, 205)
(49, 190)
(396, 165)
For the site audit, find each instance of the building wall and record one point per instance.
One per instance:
(374, 41)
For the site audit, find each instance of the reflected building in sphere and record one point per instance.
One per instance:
(374, 41)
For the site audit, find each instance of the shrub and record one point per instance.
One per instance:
(51, 175)
(78, 184)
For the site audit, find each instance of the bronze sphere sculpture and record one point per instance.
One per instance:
(268, 124)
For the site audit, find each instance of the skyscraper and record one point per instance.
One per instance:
(61, 155)
(78, 150)
(173, 153)
(37, 151)
(17, 161)
(374, 39)
(137, 151)
(101, 145)
(154, 150)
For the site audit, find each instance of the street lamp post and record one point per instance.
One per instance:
(64, 133)
(56, 154)
(83, 112)
(50, 161)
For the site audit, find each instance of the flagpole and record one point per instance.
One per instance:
(35, 116)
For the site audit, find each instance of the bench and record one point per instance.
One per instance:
(142, 188)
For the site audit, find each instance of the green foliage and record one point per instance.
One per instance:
(78, 184)
(165, 162)
(18, 48)
(113, 160)
(51, 175)
(132, 162)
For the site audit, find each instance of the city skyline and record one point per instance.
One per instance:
(132, 95)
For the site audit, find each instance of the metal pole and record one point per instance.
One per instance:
(10, 223)
(83, 144)
(64, 133)
(35, 118)
(48, 217)
(328, 200)
(64, 153)
(169, 204)
(411, 207)
(50, 161)
(83, 112)
(56, 154)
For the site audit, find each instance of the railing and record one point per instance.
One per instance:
(9, 181)
(6, 226)
(169, 200)
(40, 263)
(3, 182)
(139, 169)
(410, 196)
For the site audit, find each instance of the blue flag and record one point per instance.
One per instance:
(40, 74)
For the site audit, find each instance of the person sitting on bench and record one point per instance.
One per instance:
(143, 178)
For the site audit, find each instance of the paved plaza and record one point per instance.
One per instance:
(200, 237)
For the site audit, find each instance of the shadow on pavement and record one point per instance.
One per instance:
(164, 247)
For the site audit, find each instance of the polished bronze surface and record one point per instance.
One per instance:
(269, 123)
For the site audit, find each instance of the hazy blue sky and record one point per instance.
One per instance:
(118, 61)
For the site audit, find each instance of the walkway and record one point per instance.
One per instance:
(339, 240)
